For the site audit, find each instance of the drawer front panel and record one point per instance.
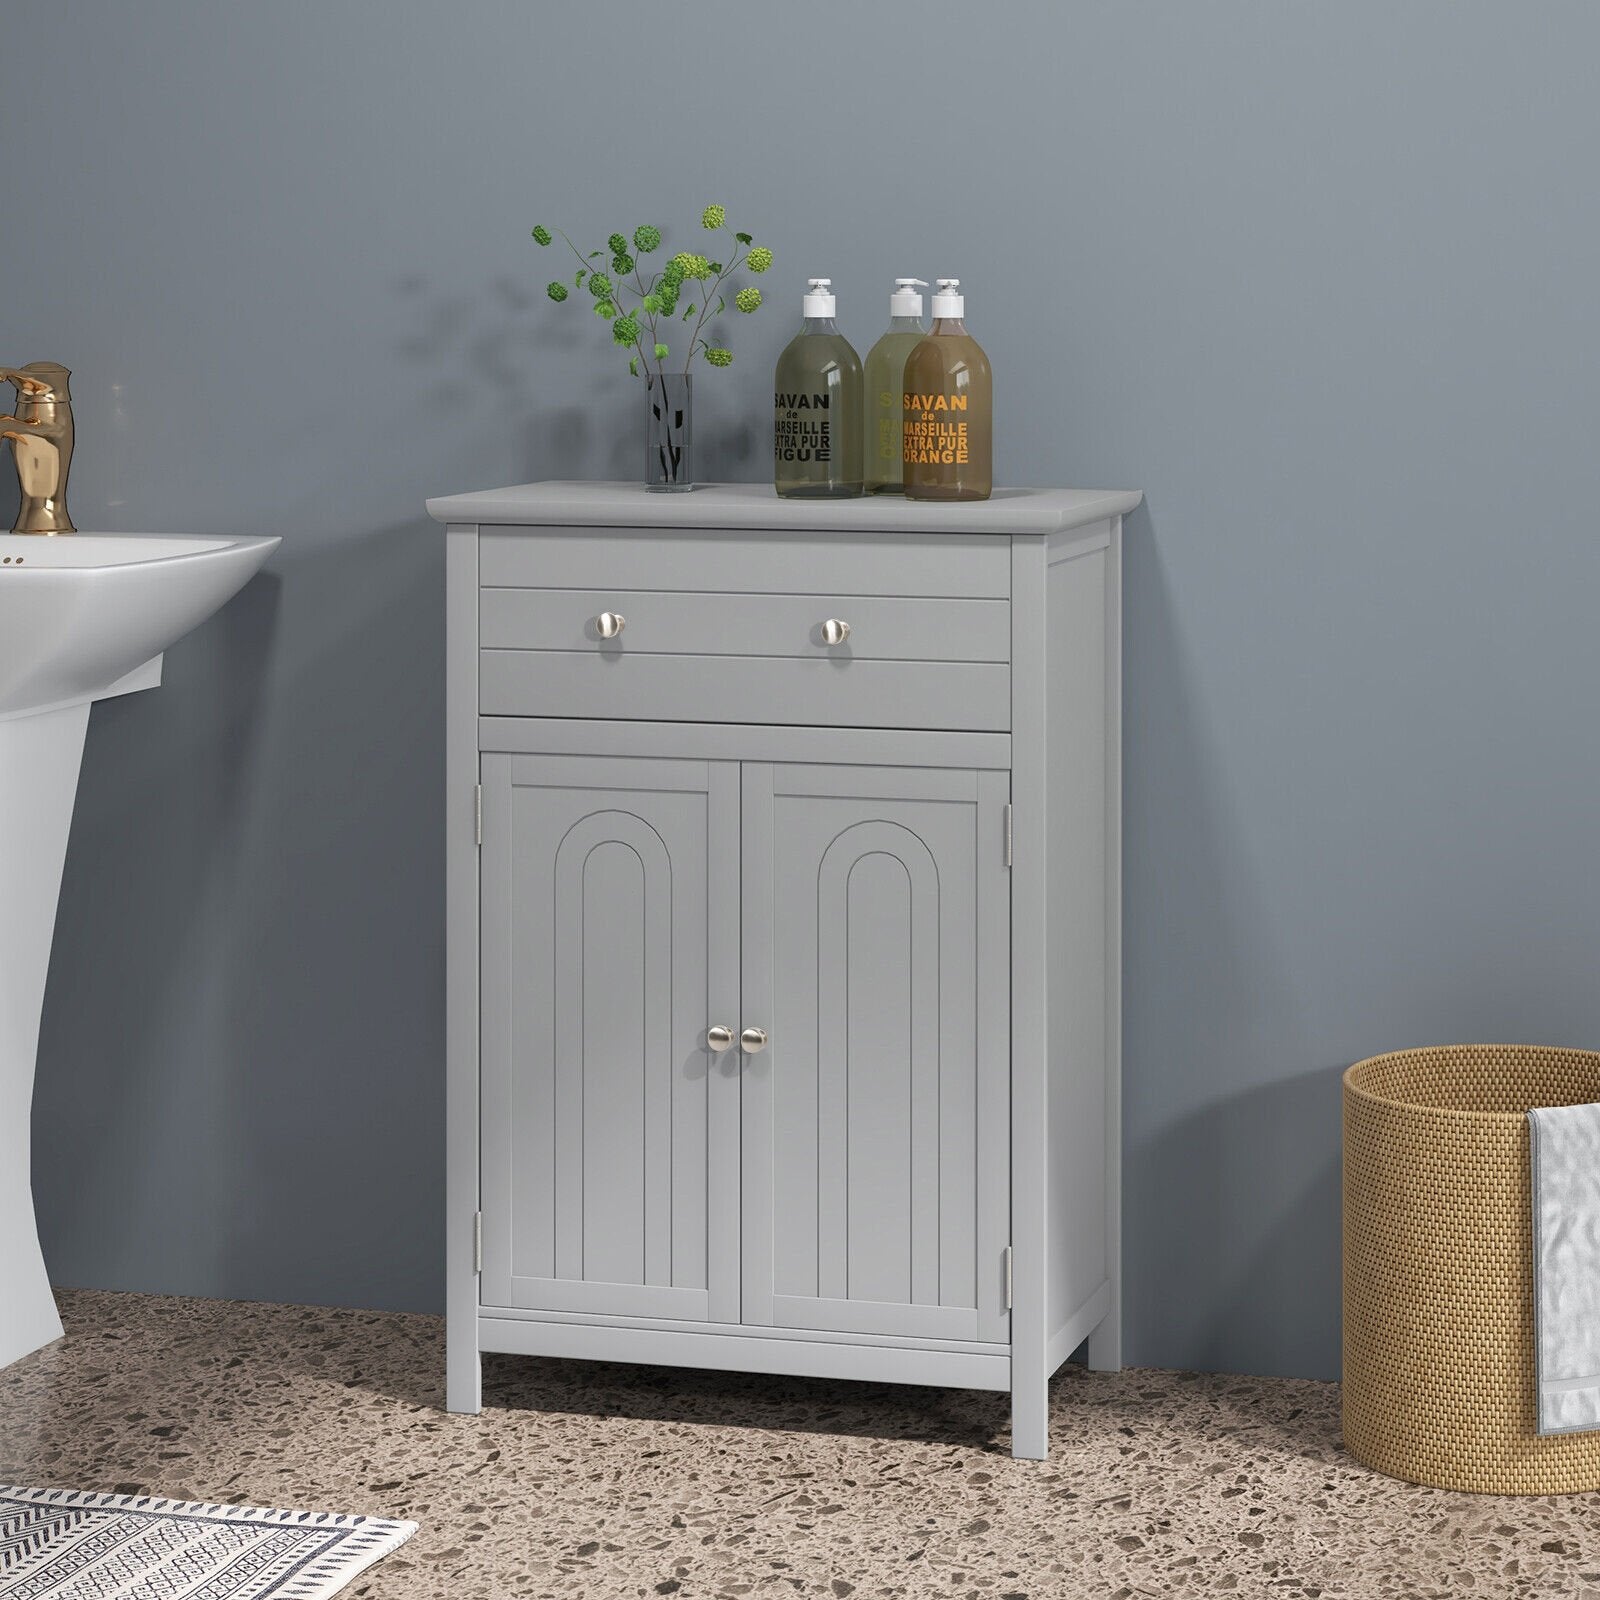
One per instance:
(761, 689)
(755, 562)
(882, 628)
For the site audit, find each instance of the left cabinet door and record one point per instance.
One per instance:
(610, 1132)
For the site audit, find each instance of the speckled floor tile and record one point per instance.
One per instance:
(610, 1481)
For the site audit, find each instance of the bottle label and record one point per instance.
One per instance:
(802, 428)
(935, 429)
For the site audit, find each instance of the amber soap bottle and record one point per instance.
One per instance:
(947, 412)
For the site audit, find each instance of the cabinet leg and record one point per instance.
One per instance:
(1105, 1343)
(1030, 1415)
(463, 1374)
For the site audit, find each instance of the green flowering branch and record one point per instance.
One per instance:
(641, 328)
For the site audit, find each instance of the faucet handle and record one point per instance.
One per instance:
(39, 380)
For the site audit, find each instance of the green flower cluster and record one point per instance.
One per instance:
(691, 266)
(634, 301)
(667, 286)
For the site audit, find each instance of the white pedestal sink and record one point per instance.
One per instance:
(82, 617)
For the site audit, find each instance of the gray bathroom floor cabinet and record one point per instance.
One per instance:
(783, 911)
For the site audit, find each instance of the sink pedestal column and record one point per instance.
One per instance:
(39, 760)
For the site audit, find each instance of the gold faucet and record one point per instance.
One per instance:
(41, 439)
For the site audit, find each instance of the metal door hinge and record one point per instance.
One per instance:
(477, 1242)
(1008, 833)
(1007, 1261)
(477, 814)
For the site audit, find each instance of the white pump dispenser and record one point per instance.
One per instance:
(819, 300)
(946, 302)
(905, 301)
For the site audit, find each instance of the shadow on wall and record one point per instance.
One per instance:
(582, 415)
(1232, 1220)
(240, 1090)
(165, 789)
(1249, 1273)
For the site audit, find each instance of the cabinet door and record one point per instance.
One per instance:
(876, 1143)
(610, 1129)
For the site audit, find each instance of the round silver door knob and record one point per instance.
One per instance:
(835, 630)
(753, 1041)
(719, 1037)
(609, 624)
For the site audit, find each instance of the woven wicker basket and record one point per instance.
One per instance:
(1438, 1267)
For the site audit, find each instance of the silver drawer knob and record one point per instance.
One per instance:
(835, 631)
(720, 1038)
(753, 1041)
(609, 624)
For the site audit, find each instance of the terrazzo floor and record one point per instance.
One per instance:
(610, 1481)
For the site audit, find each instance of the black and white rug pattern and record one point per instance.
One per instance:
(65, 1544)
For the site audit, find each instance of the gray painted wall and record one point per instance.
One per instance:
(1320, 279)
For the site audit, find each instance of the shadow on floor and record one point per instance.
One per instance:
(1293, 1418)
(401, 1358)
(970, 1419)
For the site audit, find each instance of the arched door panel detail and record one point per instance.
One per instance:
(875, 1171)
(602, 1107)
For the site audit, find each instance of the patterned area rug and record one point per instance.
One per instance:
(62, 1544)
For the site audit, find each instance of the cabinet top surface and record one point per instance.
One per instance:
(757, 506)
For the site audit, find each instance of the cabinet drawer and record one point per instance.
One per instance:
(657, 622)
(818, 689)
(753, 562)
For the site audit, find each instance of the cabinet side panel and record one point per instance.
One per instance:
(1031, 1220)
(1105, 1342)
(1077, 887)
(461, 966)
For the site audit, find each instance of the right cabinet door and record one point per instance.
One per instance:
(876, 1138)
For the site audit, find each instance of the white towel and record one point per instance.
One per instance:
(1564, 1143)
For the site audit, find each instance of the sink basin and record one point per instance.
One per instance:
(82, 617)
(80, 612)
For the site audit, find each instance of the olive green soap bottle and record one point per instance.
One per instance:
(817, 426)
(886, 366)
(948, 411)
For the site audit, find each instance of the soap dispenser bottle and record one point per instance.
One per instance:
(817, 426)
(886, 366)
(948, 408)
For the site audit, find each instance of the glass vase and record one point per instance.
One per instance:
(668, 420)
